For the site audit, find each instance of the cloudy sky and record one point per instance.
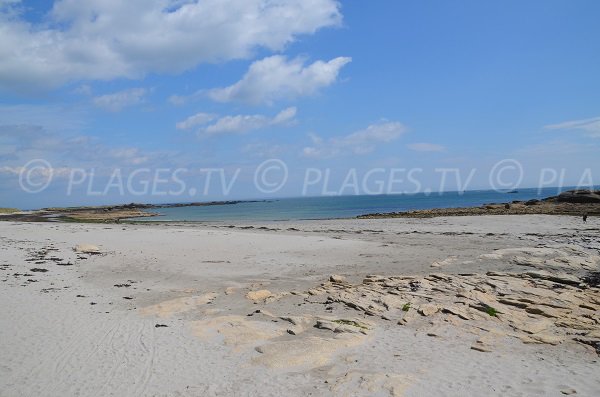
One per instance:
(101, 85)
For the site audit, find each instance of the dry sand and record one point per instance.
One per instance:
(248, 309)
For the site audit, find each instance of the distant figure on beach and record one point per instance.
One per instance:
(584, 218)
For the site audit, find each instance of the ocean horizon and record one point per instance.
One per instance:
(337, 207)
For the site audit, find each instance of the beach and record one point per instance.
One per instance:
(472, 305)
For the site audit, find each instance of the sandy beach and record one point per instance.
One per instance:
(473, 305)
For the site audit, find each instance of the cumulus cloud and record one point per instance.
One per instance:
(241, 123)
(359, 142)
(426, 147)
(276, 77)
(246, 123)
(194, 121)
(119, 100)
(99, 39)
(590, 127)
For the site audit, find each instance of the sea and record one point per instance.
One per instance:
(335, 207)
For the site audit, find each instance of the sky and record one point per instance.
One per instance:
(106, 101)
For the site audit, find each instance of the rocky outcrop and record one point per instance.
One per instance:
(579, 196)
(546, 306)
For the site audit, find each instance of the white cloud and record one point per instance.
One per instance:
(117, 101)
(11, 170)
(177, 100)
(275, 77)
(195, 120)
(246, 123)
(108, 39)
(37, 172)
(129, 155)
(426, 147)
(359, 142)
(591, 127)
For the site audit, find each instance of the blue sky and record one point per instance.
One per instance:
(102, 85)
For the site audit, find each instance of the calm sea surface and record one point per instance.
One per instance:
(342, 206)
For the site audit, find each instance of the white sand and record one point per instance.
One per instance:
(194, 279)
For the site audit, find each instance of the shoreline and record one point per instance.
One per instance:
(573, 203)
(105, 213)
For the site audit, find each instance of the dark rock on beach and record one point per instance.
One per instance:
(579, 196)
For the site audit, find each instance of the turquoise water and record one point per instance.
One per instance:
(341, 206)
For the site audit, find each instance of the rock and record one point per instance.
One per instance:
(326, 324)
(561, 278)
(295, 320)
(545, 311)
(457, 312)
(336, 278)
(579, 196)
(408, 317)
(428, 309)
(87, 249)
(374, 278)
(513, 302)
(263, 312)
(532, 327)
(363, 303)
(258, 295)
(568, 391)
(528, 261)
(592, 279)
(547, 338)
(230, 290)
(342, 326)
(481, 347)
(576, 324)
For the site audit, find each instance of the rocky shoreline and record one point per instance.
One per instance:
(574, 202)
(102, 214)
